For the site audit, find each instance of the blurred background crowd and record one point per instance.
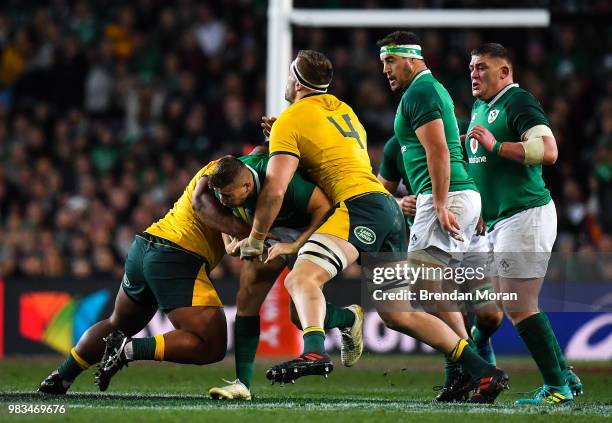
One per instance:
(108, 108)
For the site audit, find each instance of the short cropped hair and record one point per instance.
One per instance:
(315, 67)
(226, 172)
(492, 50)
(399, 38)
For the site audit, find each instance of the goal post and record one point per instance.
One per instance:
(281, 15)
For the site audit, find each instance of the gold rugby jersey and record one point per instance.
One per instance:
(182, 226)
(327, 137)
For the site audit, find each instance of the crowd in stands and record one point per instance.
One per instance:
(108, 108)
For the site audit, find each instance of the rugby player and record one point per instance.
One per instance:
(324, 137)
(237, 184)
(487, 316)
(448, 203)
(167, 268)
(508, 141)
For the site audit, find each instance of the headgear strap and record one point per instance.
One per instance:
(320, 88)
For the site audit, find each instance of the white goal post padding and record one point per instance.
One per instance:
(281, 15)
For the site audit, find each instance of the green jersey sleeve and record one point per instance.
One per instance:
(299, 192)
(423, 106)
(388, 168)
(524, 112)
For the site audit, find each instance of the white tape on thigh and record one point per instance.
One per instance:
(324, 252)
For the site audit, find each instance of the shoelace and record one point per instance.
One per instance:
(286, 364)
(115, 357)
(346, 337)
(231, 383)
(437, 388)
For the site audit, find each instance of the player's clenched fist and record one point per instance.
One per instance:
(408, 205)
(485, 138)
(251, 248)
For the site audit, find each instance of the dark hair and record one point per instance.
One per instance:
(226, 171)
(398, 38)
(315, 67)
(492, 50)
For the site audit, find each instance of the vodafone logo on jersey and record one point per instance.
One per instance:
(473, 145)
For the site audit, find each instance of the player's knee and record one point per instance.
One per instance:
(251, 295)
(292, 281)
(490, 319)
(246, 301)
(300, 280)
(207, 349)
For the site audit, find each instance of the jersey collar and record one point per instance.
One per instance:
(312, 95)
(420, 74)
(502, 92)
(255, 177)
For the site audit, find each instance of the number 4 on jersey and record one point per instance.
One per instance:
(351, 133)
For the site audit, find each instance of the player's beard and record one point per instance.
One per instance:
(402, 80)
(290, 93)
(400, 86)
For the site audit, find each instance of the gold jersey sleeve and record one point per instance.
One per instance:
(182, 226)
(327, 137)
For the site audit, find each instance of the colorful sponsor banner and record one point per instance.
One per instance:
(40, 319)
(58, 319)
(50, 316)
(43, 316)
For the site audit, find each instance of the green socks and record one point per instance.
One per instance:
(246, 339)
(338, 317)
(481, 334)
(335, 317)
(72, 366)
(538, 336)
(314, 340)
(451, 370)
(560, 356)
(144, 348)
(469, 360)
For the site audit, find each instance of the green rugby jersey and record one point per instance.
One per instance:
(392, 168)
(507, 187)
(293, 212)
(425, 100)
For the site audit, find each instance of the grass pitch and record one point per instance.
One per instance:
(389, 388)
